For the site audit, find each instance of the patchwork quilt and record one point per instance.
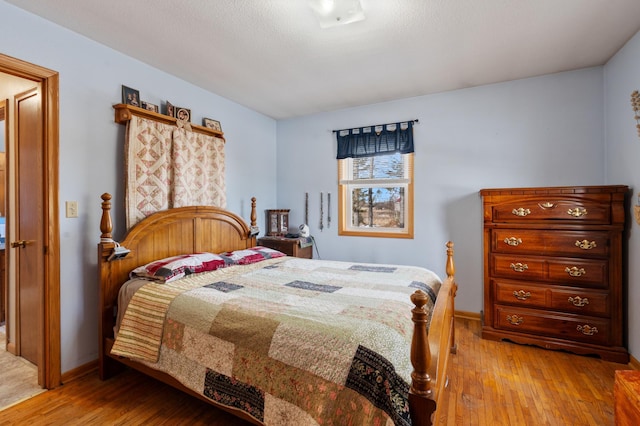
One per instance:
(288, 341)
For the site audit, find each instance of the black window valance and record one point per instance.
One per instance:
(375, 140)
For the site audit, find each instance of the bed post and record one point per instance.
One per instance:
(254, 216)
(451, 267)
(451, 272)
(106, 226)
(105, 247)
(421, 403)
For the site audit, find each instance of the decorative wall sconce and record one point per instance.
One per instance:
(635, 104)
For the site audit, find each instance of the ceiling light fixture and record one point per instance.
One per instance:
(337, 12)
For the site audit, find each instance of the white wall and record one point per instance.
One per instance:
(621, 77)
(535, 132)
(91, 153)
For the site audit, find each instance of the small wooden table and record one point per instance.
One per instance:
(626, 392)
(289, 246)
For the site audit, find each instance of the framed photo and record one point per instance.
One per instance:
(183, 114)
(212, 124)
(277, 222)
(130, 96)
(170, 110)
(150, 107)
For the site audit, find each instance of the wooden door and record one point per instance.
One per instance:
(28, 246)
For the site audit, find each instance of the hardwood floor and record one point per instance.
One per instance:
(502, 383)
(18, 377)
(491, 383)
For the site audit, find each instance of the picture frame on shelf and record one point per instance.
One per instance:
(150, 107)
(212, 124)
(130, 96)
(183, 114)
(170, 110)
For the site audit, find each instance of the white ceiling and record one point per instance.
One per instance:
(273, 57)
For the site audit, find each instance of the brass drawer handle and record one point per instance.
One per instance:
(586, 245)
(515, 320)
(519, 267)
(579, 301)
(587, 330)
(521, 212)
(522, 295)
(512, 241)
(577, 212)
(574, 271)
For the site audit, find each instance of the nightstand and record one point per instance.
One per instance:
(297, 247)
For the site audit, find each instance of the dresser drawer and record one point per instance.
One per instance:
(581, 301)
(551, 208)
(519, 267)
(520, 293)
(565, 271)
(579, 272)
(545, 323)
(559, 298)
(566, 243)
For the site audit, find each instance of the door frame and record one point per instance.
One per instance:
(49, 365)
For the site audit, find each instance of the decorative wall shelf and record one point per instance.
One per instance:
(124, 113)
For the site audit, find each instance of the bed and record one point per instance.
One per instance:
(187, 230)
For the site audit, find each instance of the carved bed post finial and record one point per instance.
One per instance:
(420, 354)
(254, 217)
(451, 267)
(421, 402)
(106, 225)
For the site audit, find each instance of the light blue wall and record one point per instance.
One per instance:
(535, 132)
(621, 77)
(91, 153)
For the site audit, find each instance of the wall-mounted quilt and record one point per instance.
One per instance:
(169, 166)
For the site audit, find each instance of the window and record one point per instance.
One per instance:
(376, 196)
(375, 181)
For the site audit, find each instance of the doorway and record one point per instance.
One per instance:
(48, 299)
(18, 375)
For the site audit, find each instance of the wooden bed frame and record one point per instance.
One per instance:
(197, 229)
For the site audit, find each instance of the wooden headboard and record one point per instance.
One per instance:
(168, 233)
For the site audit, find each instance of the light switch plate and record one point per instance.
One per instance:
(72, 208)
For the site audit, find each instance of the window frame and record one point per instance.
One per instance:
(344, 207)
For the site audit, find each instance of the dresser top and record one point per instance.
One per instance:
(556, 190)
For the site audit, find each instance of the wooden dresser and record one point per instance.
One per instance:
(553, 268)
